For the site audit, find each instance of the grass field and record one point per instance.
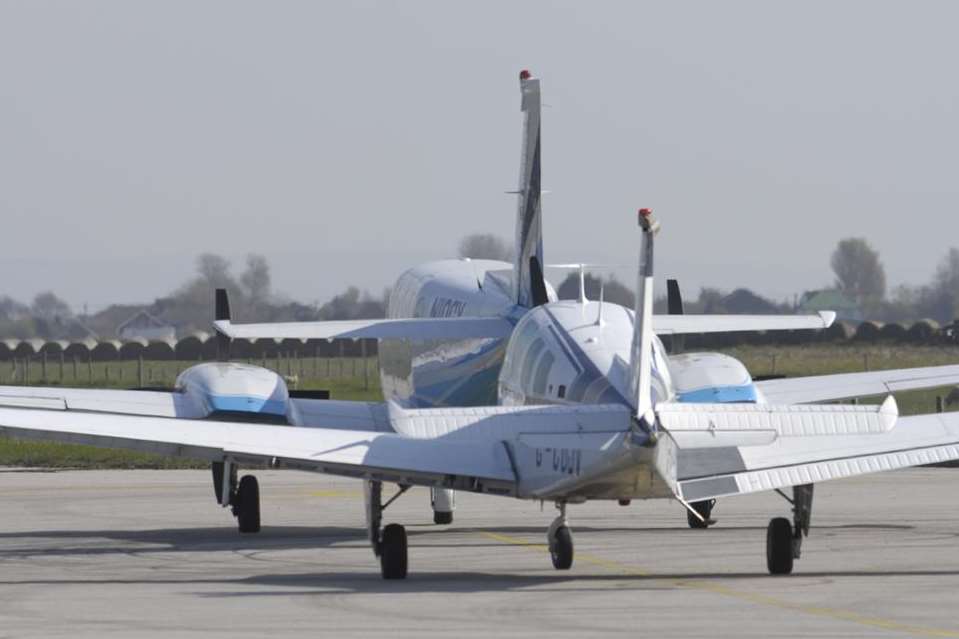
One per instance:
(356, 379)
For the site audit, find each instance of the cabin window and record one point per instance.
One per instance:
(561, 391)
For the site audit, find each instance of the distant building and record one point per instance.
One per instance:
(145, 326)
(831, 300)
(744, 301)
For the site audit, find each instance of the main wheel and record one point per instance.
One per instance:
(779, 546)
(705, 509)
(393, 555)
(440, 517)
(246, 505)
(561, 550)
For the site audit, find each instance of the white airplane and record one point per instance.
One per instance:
(590, 405)
(449, 321)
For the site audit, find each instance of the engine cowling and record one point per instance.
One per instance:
(230, 390)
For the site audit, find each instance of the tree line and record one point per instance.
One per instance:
(859, 275)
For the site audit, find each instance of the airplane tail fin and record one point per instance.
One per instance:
(640, 365)
(221, 312)
(529, 285)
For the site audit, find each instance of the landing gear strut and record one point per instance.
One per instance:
(243, 496)
(784, 539)
(705, 509)
(560, 540)
(389, 543)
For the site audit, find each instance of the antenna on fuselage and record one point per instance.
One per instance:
(599, 315)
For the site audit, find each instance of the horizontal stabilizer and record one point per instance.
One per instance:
(416, 328)
(917, 440)
(713, 425)
(692, 324)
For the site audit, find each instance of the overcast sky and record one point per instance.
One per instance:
(348, 141)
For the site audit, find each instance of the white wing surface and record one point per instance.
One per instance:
(481, 466)
(706, 473)
(821, 388)
(416, 328)
(471, 449)
(689, 324)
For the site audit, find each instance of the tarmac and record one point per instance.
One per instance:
(150, 554)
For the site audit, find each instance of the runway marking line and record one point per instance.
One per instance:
(726, 591)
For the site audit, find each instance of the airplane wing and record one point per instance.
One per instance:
(688, 324)
(474, 449)
(482, 466)
(821, 388)
(822, 450)
(415, 328)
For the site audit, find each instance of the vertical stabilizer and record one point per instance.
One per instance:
(528, 284)
(640, 364)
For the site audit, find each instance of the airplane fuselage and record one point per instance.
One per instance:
(431, 373)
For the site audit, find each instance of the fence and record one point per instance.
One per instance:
(143, 373)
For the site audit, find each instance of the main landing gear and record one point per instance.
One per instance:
(242, 497)
(705, 510)
(784, 539)
(560, 540)
(389, 542)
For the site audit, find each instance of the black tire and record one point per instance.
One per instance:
(779, 546)
(440, 517)
(247, 505)
(561, 551)
(705, 509)
(393, 552)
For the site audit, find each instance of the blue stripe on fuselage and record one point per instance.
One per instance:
(720, 395)
(246, 404)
